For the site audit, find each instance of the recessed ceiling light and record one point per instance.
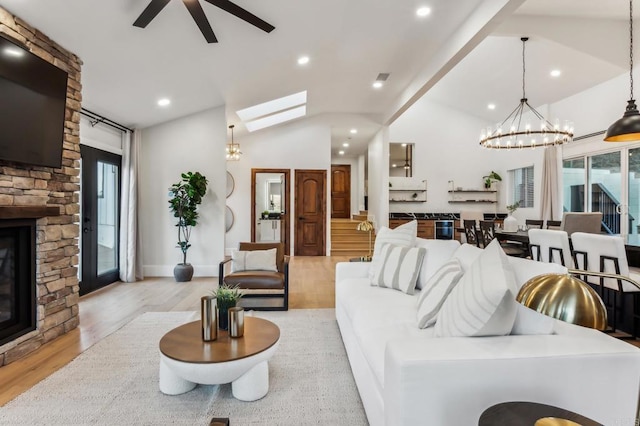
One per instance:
(555, 73)
(403, 145)
(303, 60)
(353, 131)
(346, 145)
(423, 11)
(491, 106)
(341, 152)
(394, 165)
(164, 102)
(13, 51)
(377, 84)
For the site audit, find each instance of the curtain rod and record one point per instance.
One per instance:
(97, 118)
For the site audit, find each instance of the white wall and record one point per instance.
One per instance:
(446, 148)
(100, 136)
(303, 144)
(378, 178)
(356, 201)
(193, 143)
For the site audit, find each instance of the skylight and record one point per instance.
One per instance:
(271, 107)
(273, 119)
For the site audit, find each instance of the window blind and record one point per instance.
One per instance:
(522, 184)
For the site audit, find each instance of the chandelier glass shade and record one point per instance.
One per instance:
(233, 149)
(627, 128)
(525, 127)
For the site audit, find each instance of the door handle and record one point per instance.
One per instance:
(85, 230)
(300, 218)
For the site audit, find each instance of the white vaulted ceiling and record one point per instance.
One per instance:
(127, 69)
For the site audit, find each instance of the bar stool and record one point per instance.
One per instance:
(547, 245)
(606, 253)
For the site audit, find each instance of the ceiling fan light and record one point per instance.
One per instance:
(627, 128)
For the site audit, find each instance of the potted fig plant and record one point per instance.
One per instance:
(490, 178)
(226, 297)
(186, 195)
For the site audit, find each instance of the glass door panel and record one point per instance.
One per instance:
(573, 178)
(634, 192)
(108, 196)
(606, 189)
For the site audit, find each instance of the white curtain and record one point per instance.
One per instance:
(551, 200)
(130, 246)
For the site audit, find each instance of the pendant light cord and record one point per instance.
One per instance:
(524, 40)
(631, 46)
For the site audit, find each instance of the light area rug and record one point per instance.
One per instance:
(115, 382)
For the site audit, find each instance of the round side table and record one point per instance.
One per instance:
(521, 413)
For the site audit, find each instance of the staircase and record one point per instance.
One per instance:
(346, 240)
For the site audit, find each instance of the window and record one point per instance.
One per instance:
(522, 184)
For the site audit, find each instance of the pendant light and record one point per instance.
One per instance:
(233, 149)
(628, 127)
(509, 134)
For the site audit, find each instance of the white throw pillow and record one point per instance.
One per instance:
(398, 268)
(254, 260)
(483, 303)
(403, 235)
(435, 292)
(529, 321)
(438, 252)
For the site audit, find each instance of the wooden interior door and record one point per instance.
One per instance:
(311, 201)
(340, 191)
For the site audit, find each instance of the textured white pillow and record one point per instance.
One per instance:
(403, 235)
(435, 292)
(438, 252)
(398, 268)
(254, 260)
(483, 303)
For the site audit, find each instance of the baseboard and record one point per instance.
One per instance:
(167, 270)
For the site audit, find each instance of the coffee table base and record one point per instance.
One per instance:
(249, 377)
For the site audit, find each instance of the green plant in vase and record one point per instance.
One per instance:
(226, 297)
(490, 178)
(513, 207)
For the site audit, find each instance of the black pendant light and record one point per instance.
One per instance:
(627, 128)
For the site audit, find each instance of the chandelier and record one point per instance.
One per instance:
(233, 149)
(627, 128)
(517, 131)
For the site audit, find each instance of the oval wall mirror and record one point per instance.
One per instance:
(228, 218)
(230, 184)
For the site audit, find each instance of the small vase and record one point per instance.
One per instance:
(510, 224)
(223, 316)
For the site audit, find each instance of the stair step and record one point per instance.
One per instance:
(359, 217)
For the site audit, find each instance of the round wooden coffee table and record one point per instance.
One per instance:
(186, 360)
(520, 413)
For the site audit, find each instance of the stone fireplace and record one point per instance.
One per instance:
(43, 203)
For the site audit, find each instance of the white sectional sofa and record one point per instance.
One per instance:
(406, 376)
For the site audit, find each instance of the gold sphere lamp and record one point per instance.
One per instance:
(564, 297)
(366, 226)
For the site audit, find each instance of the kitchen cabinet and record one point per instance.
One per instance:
(426, 228)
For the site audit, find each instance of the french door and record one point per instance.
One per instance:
(99, 218)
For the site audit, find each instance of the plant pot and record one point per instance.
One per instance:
(510, 224)
(223, 316)
(183, 272)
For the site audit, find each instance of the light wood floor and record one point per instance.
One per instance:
(311, 285)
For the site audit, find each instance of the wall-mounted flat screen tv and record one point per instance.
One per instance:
(33, 95)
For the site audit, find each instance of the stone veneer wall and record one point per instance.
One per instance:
(56, 236)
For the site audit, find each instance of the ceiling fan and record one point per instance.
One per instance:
(195, 9)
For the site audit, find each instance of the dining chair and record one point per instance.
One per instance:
(533, 223)
(581, 222)
(550, 246)
(471, 232)
(487, 234)
(606, 253)
(554, 224)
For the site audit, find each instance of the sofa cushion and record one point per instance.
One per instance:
(256, 280)
(399, 267)
(483, 303)
(435, 292)
(254, 260)
(467, 254)
(529, 321)
(438, 252)
(403, 235)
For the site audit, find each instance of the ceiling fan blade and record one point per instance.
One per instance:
(147, 15)
(243, 14)
(201, 20)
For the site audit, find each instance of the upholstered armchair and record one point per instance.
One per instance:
(263, 289)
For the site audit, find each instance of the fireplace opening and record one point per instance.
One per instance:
(17, 278)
